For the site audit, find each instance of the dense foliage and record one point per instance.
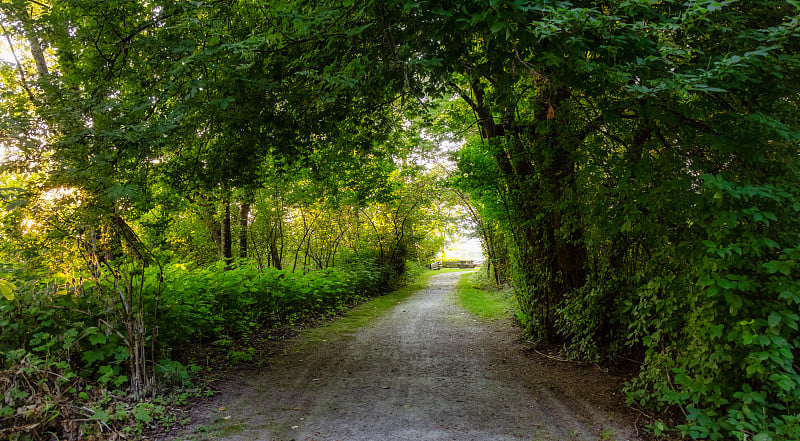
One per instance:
(64, 351)
(187, 174)
(645, 159)
(631, 167)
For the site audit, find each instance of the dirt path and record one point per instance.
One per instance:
(427, 370)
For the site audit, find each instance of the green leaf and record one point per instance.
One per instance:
(734, 302)
(98, 339)
(100, 415)
(91, 357)
(725, 283)
(791, 321)
(128, 191)
(497, 27)
(626, 226)
(359, 30)
(774, 319)
(7, 289)
(142, 414)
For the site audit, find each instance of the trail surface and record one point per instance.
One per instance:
(427, 370)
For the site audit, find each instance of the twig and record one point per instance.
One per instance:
(563, 360)
(672, 386)
(643, 413)
(21, 429)
(99, 422)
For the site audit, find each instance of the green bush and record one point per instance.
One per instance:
(64, 342)
(207, 303)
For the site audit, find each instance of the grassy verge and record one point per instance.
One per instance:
(485, 303)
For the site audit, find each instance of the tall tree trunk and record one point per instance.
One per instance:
(225, 232)
(207, 215)
(306, 230)
(20, 13)
(275, 251)
(244, 215)
(275, 255)
(535, 161)
(38, 55)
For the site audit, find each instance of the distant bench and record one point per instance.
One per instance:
(454, 264)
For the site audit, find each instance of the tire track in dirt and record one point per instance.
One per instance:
(427, 370)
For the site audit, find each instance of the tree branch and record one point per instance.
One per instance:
(20, 69)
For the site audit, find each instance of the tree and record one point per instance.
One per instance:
(119, 115)
(615, 126)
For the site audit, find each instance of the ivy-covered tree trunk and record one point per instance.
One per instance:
(535, 162)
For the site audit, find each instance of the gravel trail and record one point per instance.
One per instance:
(427, 370)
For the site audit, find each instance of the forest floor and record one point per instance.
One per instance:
(426, 370)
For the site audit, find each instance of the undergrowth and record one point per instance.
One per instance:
(65, 360)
